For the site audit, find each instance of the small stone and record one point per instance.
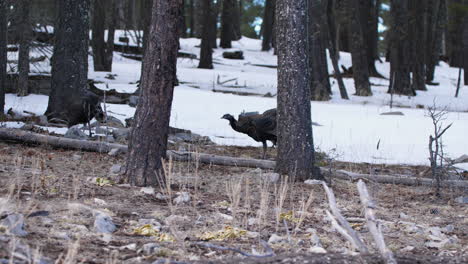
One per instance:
(226, 217)
(131, 247)
(153, 222)
(313, 182)
(317, 250)
(252, 221)
(449, 228)
(275, 239)
(76, 157)
(114, 152)
(133, 100)
(102, 130)
(407, 249)
(121, 134)
(435, 231)
(75, 132)
(404, 216)
(250, 234)
(271, 177)
(103, 223)
(14, 224)
(161, 197)
(147, 190)
(100, 202)
(43, 120)
(150, 248)
(396, 113)
(182, 197)
(116, 169)
(462, 200)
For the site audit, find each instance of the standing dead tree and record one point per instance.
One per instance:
(436, 150)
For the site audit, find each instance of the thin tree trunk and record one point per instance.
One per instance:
(417, 37)
(214, 24)
(236, 21)
(70, 58)
(465, 49)
(25, 43)
(400, 67)
(148, 140)
(112, 20)
(295, 142)
(267, 25)
(227, 25)
(206, 56)
(183, 23)
(3, 52)
(358, 50)
(104, 13)
(318, 66)
(146, 6)
(191, 15)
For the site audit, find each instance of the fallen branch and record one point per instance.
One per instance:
(16, 135)
(373, 224)
(268, 249)
(343, 227)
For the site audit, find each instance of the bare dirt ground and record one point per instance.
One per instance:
(227, 206)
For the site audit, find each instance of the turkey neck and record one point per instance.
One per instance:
(233, 123)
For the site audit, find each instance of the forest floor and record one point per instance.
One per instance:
(227, 206)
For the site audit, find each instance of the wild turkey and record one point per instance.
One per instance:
(260, 127)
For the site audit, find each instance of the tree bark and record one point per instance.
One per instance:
(3, 53)
(465, 43)
(214, 24)
(236, 20)
(267, 25)
(148, 140)
(104, 13)
(146, 12)
(191, 15)
(400, 82)
(206, 53)
(227, 24)
(417, 36)
(25, 31)
(318, 65)
(369, 15)
(295, 142)
(70, 58)
(436, 23)
(358, 50)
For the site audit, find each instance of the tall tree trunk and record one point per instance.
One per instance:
(25, 43)
(465, 49)
(400, 49)
(267, 25)
(214, 24)
(358, 50)
(146, 6)
(183, 23)
(318, 66)
(227, 24)
(417, 36)
(369, 11)
(3, 52)
(206, 55)
(104, 13)
(295, 142)
(191, 15)
(148, 140)
(70, 58)
(437, 21)
(236, 20)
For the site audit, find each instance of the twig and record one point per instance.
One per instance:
(373, 224)
(268, 249)
(352, 236)
(287, 230)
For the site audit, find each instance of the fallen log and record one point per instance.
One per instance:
(9, 134)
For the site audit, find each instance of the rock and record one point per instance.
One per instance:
(75, 132)
(129, 122)
(317, 250)
(133, 101)
(147, 190)
(271, 177)
(42, 120)
(396, 113)
(116, 169)
(449, 228)
(225, 217)
(313, 182)
(182, 197)
(177, 220)
(252, 221)
(76, 157)
(462, 200)
(275, 239)
(114, 152)
(150, 248)
(250, 234)
(461, 159)
(103, 223)
(14, 223)
(435, 231)
(112, 121)
(102, 130)
(121, 134)
(153, 222)
(314, 239)
(131, 247)
(233, 55)
(162, 197)
(100, 202)
(190, 138)
(404, 216)
(407, 249)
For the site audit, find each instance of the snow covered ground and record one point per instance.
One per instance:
(351, 128)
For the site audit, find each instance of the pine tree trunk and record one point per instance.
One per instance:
(400, 49)
(318, 66)
(146, 6)
(417, 36)
(436, 23)
(465, 49)
(148, 140)
(226, 25)
(236, 20)
(358, 50)
(214, 24)
(191, 15)
(206, 55)
(369, 24)
(70, 58)
(24, 46)
(295, 142)
(103, 14)
(267, 25)
(183, 23)
(3, 52)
